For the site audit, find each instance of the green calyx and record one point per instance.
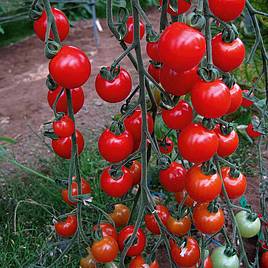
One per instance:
(117, 127)
(36, 12)
(121, 17)
(163, 162)
(235, 173)
(51, 48)
(226, 129)
(50, 83)
(196, 20)
(151, 35)
(208, 168)
(252, 216)
(116, 172)
(228, 79)
(229, 251)
(166, 102)
(208, 74)
(213, 207)
(229, 34)
(110, 74)
(208, 123)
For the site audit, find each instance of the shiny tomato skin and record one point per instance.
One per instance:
(135, 171)
(183, 6)
(207, 222)
(179, 196)
(117, 89)
(180, 41)
(264, 260)
(179, 227)
(197, 144)
(63, 146)
(178, 117)
(137, 262)
(178, 83)
(251, 132)
(138, 247)
(40, 25)
(154, 72)
(236, 98)
(151, 222)
(68, 227)
(227, 10)
(235, 187)
(173, 178)
(120, 215)
(211, 99)
(70, 68)
(227, 56)
(63, 127)
(129, 37)
(245, 102)
(115, 148)
(166, 146)
(85, 190)
(116, 187)
(107, 230)
(187, 256)
(77, 99)
(154, 264)
(105, 250)
(202, 187)
(227, 143)
(152, 51)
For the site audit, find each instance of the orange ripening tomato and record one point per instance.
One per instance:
(179, 227)
(120, 215)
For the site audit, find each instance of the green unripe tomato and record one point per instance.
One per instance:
(247, 227)
(221, 260)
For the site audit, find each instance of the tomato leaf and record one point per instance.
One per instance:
(243, 201)
(7, 140)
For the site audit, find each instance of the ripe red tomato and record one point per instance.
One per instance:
(173, 178)
(115, 148)
(68, 227)
(189, 202)
(178, 117)
(245, 102)
(205, 221)
(135, 171)
(178, 83)
(107, 229)
(236, 98)
(172, 46)
(40, 25)
(154, 71)
(139, 262)
(136, 248)
(129, 37)
(207, 263)
(116, 187)
(179, 227)
(77, 99)
(105, 250)
(227, 10)
(166, 146)
(154, 264)
(227, 56)
(264, 260)
(152, 51)
(185, 256)
(117, 89)
(235, 187)
(211, 99)
(202, 187)
(251, 132)
(197, 144)
(120, 215)
(70, 68)
(85, 190)
(63, 127)
(63, 146)
(183, 6)
(151, 222)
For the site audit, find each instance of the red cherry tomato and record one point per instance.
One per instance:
(178, 117)
(70, 68)
(63, 127)
(116, 187)
(85, 190)
(107, 229)
(207, 263)
(197, 144)
(63, 146)
(186, 256)
(264, 260)
(251, 132)
(189, 202)
(154, 264)
(40, 25)
(245, 102)
(227, 10)
(120, 215)
(183, 6)
(152, 51)
(139, 262)
(236, 98)
(166, 146)
(154, 71)
(117, 89)
(172, 46)
(179, 227)
(211, 99)
(173, 178)
(227, 56)
(151, 222)
(202, 187)
(115, 148)
(207, 222)
(68, 227)
(77, 99)
(178, 83)
(235, 186)
(135, 171)
(129, 37)
(137, 247)
(227, 143)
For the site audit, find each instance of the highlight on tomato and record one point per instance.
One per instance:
(63, 127)
(246, 102)
(107, 229)
(139, 262)
(129, 37)
(182, 5)
(252, 132)
(67, 227)
(166, 146)
(179, 227)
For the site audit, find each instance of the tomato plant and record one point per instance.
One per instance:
(129, 37)
(63, 127)
(222, 258)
